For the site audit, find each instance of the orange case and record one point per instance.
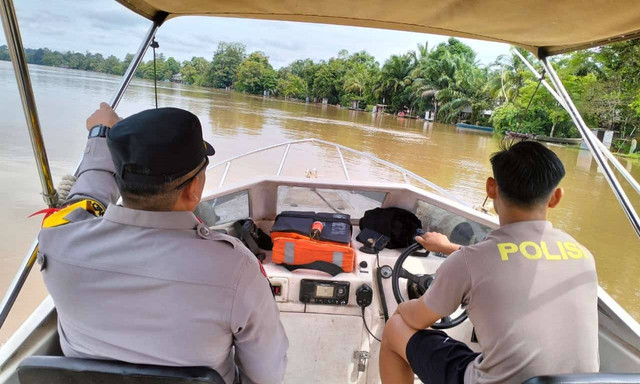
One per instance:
(295, 249)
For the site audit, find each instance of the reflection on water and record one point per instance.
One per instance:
(237, 123)
(584, 161)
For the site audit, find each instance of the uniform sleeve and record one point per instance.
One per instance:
(259, 337)
(95, 176)
(451, 287)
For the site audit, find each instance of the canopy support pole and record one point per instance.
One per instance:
(137, 58)
(18, 58)
(591, 142)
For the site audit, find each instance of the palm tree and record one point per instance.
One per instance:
(395, 79)
(424, 93)
(509, 77)
(466, 90)
(356, 81)
(432, 75)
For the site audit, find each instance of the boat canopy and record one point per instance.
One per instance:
(543, 27)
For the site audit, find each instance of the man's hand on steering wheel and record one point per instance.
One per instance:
(437, 242)
(423, 280)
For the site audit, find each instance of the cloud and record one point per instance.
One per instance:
(42, 16)
(106, 27)
(291, 45)
(115, 19)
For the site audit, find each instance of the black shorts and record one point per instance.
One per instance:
(438, 359)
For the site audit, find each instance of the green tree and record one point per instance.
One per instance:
(509, 76)
(95, 62)
(112, 65)
(329, 76)
(358, 82)
(188, 73)
(292, 86)
(76, 60)
(127, 61)
(35, 56)
(226, 60)
(323, 82)
(619, 85)
(305, 69)
(621, 61)
(255, 74)
(456, 48)
(338, 67)
(171, 67)
(394, 81)
(422, 91)
(53, 59)
(195, 71)
(466, 91)
(4, 53)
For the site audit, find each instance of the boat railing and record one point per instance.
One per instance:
(407, 175)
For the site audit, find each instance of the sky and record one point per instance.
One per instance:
(104, 26)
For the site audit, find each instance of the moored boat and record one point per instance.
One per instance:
(559, 140)
(476, 127)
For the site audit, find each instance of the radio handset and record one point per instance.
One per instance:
(364, 296)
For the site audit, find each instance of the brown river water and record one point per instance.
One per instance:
(236, 123)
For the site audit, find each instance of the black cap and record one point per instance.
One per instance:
(161, 144)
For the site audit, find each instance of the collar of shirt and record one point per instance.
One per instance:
(151, 219)
(530, 225)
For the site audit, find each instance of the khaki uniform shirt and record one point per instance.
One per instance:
(158, 287)
(531, 294)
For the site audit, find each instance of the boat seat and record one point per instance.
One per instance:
(586, 378)
(67, 370)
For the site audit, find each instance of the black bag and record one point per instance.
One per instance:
(398, 224)
(336, 226)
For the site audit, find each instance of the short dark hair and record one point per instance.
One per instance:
(527, 172)
(146, 196)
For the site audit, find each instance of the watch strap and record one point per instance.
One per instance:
(99, 130)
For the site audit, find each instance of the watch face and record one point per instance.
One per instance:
(98, 131)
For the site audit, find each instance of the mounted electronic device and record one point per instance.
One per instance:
(325, 292)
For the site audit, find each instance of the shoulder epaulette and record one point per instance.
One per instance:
(58, 218)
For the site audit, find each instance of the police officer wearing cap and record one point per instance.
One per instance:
(147, 282)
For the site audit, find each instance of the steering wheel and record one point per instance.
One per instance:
(423, 281)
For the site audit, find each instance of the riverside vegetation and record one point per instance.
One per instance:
(446, 79)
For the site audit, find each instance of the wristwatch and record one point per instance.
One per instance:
(99, 131)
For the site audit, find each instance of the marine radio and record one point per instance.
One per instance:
(324, 292)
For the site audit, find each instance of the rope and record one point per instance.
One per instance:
(154, 45)
(536, 91)
(64, 188)
(518, 124)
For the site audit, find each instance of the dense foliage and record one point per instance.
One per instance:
(446, 79)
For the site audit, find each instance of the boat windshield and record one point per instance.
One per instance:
(459, 229)
(353, 203)
(224, 209)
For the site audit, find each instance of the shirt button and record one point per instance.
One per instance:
(42, 260)
(203, 231)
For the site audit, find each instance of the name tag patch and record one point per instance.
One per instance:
(560, 250)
